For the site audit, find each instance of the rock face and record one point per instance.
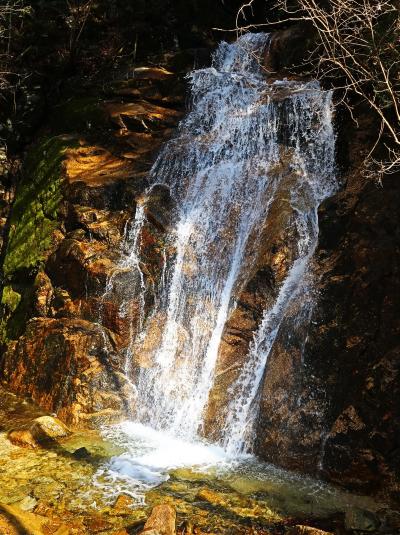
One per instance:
(331, 384)
(275, 251)
(63, 336)
(86, 386)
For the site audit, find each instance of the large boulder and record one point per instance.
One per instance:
(69, 367)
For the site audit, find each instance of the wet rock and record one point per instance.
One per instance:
(86, 389)
(43, 294)
(7, 526)
(361, 520)
(81, 453)
(161, 521)
(123, 505)
(41, 431)
(274, 249)
(96, 524)
(339, 412)
(49, 428)
(210, 496)
(26, 522)
(28, 503)
(289, 48)
(22, 438)
(83, 268)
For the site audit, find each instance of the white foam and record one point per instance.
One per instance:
(150, 454)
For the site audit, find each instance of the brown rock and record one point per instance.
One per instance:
(41, 430)
(6, 525)
(123, 505)
(43, 294)
(210, 496)
(82, 268)
(96, 166)
(29, 523)
(48, 428)
(22, 438)
(274, 252)
(86, 389)
(161, 521)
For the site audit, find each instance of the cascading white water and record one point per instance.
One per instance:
(223, 170)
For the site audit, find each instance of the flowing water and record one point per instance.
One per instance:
(238, 144)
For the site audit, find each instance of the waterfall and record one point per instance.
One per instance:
(223, 169)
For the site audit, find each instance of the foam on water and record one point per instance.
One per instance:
(148, 457)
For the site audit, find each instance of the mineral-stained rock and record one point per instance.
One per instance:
(69, 367)
(161, 521)
(81, 267)
(274, 249)
(123, 505)
(210, 496)
(7, 527)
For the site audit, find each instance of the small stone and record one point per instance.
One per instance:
(306, 530)
(210, 496)
(123, 505)
(22, 438)
(161, 521)
(27, 504)
(81, 453)
(361, 520)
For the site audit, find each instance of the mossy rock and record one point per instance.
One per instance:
(35, 210)
(16, 304)
(10, 298)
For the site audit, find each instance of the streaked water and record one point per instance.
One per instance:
(236, 147)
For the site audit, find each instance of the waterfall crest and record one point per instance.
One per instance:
(222, 169)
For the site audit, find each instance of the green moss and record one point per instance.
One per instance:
(10, 298)
(34, 213)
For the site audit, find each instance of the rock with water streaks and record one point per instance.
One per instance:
(329, 401)
(69, 366)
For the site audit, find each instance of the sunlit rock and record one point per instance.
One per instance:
(161, 521)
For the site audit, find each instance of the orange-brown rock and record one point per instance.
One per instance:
(15, 521)
(69, 366)
(23, 438)
(161, 521)
(123, 505)
(41, 430)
